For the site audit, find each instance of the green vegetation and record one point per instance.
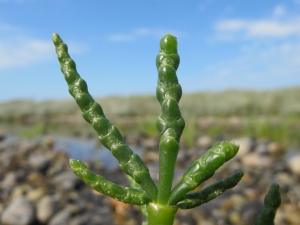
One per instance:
(272, 115)
(158, 204)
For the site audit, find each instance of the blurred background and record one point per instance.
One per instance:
(239, 71)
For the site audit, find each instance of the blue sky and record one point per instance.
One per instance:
(222, 44)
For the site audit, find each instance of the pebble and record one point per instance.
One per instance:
(35, 194)
(204, 142)
(275, 149)
(294, 164)
(46, 208)
(261, 148)
(9, 180)
(246, 145)
(150, 143)
(61, 218)
(256, 160)
(49, 141)
(52, 194)
(250, 210)
(19, 212)
(67, 181)
(39, 162)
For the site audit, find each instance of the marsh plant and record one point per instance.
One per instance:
(159, 204)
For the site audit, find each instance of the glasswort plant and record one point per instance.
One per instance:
(158, 204)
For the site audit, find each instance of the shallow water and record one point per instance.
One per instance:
(89, 150)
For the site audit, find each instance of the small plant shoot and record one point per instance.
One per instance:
(159, 204)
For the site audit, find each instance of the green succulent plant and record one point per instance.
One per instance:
(158, 204)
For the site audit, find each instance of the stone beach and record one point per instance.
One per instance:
(37, 186)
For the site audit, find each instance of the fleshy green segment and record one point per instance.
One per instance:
(100, 184)
(272, 202)
(170, 123)
(203, 168)
(209, 193)
(109, 135)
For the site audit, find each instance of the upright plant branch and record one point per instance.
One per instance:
(158, 205)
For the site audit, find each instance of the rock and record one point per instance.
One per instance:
(283, 178)
(150, 143)
(35, 194)
(67, 181)
(235, 201)
(151, 156)
(46, 208)
(2, 136)
(19, 212)
(256, 160)
(293, 217)
(182, 158)
(61, 218)
(294, 164)
(262, 148)
(204, 142)
(275, 149)
(246, 145)
(250, 210)
(9, 180)
(235, 218)
(94, 217)
(6, 157)
(49, 142)
(39, 162)
(19, 191)
(133, 139)
(25, 147)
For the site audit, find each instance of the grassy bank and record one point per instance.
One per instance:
(273, 115)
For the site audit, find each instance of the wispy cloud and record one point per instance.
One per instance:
(256, 67)
(18, 49)
(279, 25)
(238, 28)
(21, 52)
(140, 32)
(279, 11)
(268, 53)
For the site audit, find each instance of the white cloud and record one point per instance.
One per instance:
(18, 49)
(233, 29)
(144, 31)
(268, 53)
(21, 52)
(121, 37)
(257, 67)
(280, 24)
(279, 11)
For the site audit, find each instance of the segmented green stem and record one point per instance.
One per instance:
(203, 168)
(109, 135)
(170, 123)
(207, 194)
(272, 202)
(100, 184)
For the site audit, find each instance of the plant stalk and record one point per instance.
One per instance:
(161, 214)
